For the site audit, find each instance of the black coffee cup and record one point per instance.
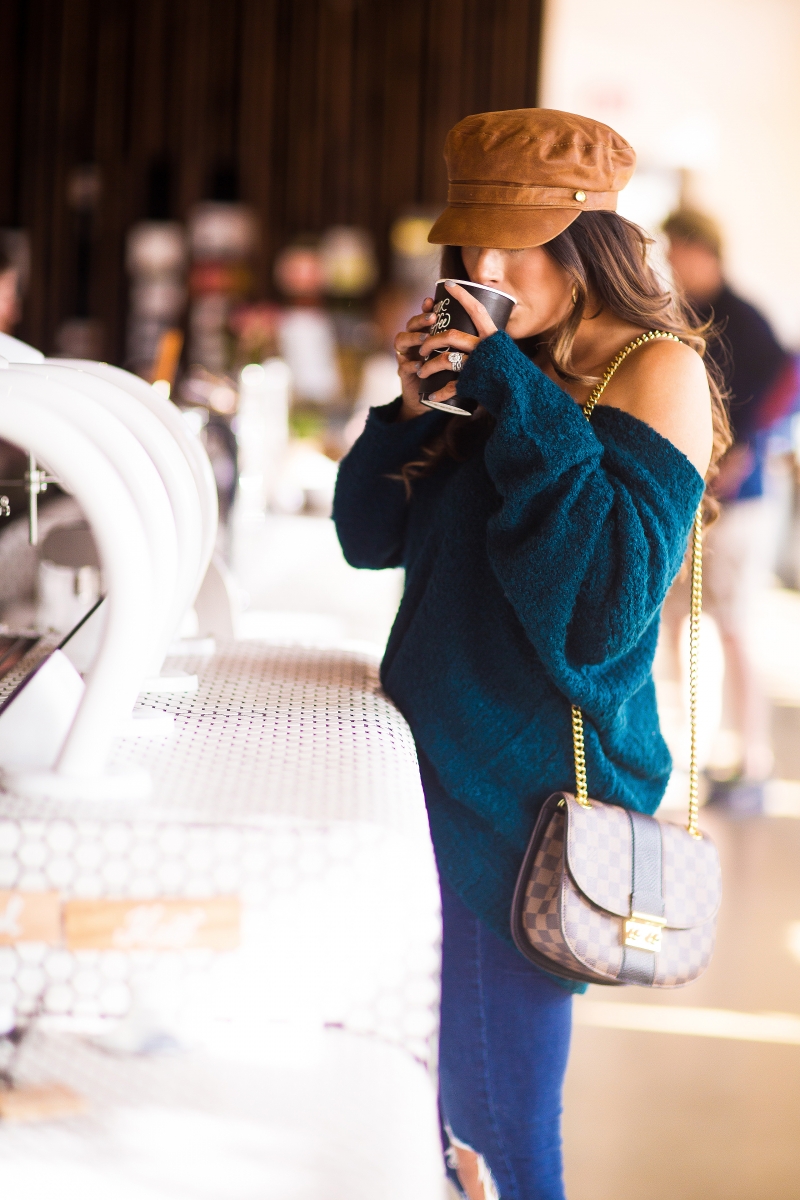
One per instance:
(450, 314)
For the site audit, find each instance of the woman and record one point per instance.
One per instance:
(538, 549)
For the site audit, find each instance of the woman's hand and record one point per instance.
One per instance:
(406, 346)
(416, 344)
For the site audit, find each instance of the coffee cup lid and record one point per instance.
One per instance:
(484, 287)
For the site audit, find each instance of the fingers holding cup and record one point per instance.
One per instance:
(438, 357)
(407, 345)
(422, 320)
(466, 314)
(445, 395)
(450, 339)
(474, 308)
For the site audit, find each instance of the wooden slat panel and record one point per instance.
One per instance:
(509, 54)
(479, 41)
(446, 47)
(112, 126)
(367, 113)
(335, 102)
(257, 120)
(41, 181)
(190, 135)
(404, 119)
(11, 30)
(151, 91)
(332, 110)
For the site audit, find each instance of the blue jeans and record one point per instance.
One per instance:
(503, 1052)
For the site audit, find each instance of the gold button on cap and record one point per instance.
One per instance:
(580, 196)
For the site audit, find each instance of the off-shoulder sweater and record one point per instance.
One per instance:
(535, 575)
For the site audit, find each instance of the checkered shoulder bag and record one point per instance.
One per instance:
(608, 895)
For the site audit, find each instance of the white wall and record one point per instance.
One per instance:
(711, 87)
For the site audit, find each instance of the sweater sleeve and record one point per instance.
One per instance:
(369, 508)
(592, 523)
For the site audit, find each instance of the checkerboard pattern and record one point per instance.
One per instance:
(542, 912)
(692, 879)
(593, 936)
(685, 954)
(565, 920)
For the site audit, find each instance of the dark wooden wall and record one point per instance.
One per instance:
(326, 110)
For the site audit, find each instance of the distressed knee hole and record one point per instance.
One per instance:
(473, 1172)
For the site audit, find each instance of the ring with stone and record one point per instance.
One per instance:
(456, 360)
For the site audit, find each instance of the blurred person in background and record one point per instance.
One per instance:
(760, 378)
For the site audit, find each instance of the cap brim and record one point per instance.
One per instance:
(504, 226)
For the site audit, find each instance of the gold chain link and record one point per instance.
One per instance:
(653, 335)
(694, 648)
(581, 787)
(581, 790)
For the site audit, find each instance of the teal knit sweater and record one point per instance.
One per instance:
(535, 575)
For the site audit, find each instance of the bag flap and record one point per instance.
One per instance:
(599, 857)
(599, 854)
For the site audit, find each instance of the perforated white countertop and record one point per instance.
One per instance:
(290, 784)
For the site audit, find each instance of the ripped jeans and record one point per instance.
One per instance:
(503, 1052)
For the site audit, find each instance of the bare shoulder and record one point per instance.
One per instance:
(665, 384)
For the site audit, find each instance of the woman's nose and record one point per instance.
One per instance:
(489, 268)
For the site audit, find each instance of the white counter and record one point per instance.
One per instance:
(291, 788)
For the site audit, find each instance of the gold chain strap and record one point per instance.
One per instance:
(581, 789)
(653, 335)
(694, 648)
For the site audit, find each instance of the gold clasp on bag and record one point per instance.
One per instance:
(643, 932)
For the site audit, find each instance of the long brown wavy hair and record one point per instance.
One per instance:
(606, 258)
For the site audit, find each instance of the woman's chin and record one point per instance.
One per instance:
(520, 330)
(517, 329)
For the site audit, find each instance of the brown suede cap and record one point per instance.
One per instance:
(517, 178)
